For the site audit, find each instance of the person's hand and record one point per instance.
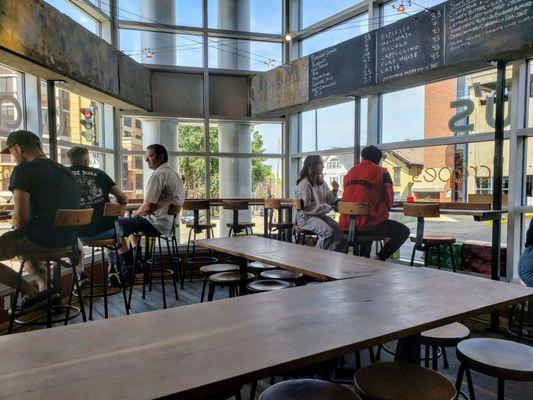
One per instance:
(334, 186)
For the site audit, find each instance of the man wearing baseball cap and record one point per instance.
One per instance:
(40, 187)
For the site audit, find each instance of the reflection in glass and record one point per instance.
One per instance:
(317, 10)
(11, 100)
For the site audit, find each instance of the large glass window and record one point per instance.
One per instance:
(162, 48)
(245, 137)
(181, 12)
(316, 10)
(391, 13)
(453, 107)
(530, 97)
(11, 100)
(347, 30)
(175, 134)
(328, 127)
(245, 55)
(248, 16)
(75, 13)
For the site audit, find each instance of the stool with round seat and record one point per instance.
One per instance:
(231, 280)
(501, 359)
(196, 228)
(211, 269)
(444, 336)
(281, 228)
(424, 242)
(268, 285)
(361, 243)
(402, 381)
(281, 274)
(236, 227)
(300, 234)
(258, 267)
(305, 389)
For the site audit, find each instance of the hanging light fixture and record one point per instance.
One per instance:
(401, 8)
(288, 36)
(269, 63)
(148, 53)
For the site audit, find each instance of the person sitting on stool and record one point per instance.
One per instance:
(525, 265)
(317, 199)
(40, 187)
(164, 188)
(369, 183)
(95, 186)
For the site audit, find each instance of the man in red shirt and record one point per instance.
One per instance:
(369, 183)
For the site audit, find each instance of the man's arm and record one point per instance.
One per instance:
(388, 190)
(21, 213)
(122, 198)
(153, 191)
(145, 209)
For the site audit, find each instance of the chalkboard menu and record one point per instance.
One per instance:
(347, 66)
(455, 32)
(410, 46)
(477, 27)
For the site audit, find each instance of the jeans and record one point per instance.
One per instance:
(525, 266)
(133, 225)
(396, 232)
(330, 235)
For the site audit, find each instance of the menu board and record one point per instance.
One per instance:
(339, 69)
(411, 46)
(477, 27)
(455, 32)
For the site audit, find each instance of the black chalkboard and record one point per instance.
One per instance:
(339, 69)
(479, 27)
(410, 46)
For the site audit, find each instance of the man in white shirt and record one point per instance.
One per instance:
(164, 188)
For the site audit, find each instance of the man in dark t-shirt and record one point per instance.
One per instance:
(95, 187)
(40, 187)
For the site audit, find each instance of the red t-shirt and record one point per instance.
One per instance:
(368, 183)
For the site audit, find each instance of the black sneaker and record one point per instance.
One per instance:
(37, 302)
(114, 280)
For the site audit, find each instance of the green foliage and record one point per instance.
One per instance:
(191, 139)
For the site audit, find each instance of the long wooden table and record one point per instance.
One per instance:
(196, 350)
(313, 262)
(478, 215)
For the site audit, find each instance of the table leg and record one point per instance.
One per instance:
(408, 349)
(243, 268)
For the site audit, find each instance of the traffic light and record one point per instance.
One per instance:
(88, 118)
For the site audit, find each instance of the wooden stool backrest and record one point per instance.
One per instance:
(235, 204)
(272, 204)
(66, 218)
(114, 210)
(196, 205)
(421, 210)
(352, 208)
(135, 201)
(299, 204)
(174, 209)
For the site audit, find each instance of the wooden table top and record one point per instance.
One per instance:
(194, 350)
(317, 263)
(479, 215)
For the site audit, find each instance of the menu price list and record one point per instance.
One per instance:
(410, 46)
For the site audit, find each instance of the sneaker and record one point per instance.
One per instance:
(84, 282)
(114, 280)
(37, 302)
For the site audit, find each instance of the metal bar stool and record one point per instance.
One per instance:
(212, 269)
(300, 234)
(153, 241)
(283, 229)
(402, 381)
(196, 228)
(361, 243)
(232, 280)
(236, 226)
(72, 219)
(111, 210)
(423, 242)
(501, 359)
(304, 389)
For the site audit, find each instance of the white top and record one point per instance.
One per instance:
(316, 199)
(163, 189)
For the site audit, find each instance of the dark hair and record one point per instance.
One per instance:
(309, 168)
(159, 150)
(77, 154)
(372, 153)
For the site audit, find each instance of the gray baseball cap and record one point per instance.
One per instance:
(21, 137)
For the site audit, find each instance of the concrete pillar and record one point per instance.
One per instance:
(235, 175)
